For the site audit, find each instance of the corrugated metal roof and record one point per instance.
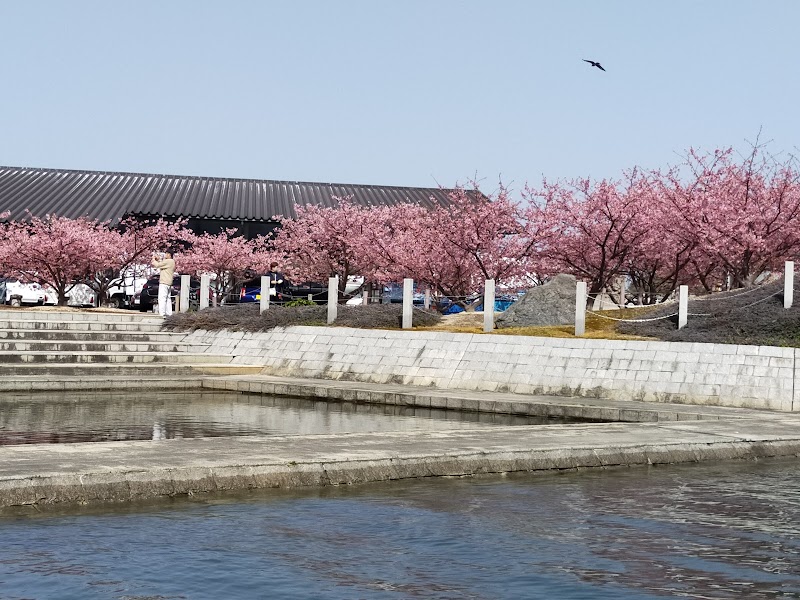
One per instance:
(111, 196)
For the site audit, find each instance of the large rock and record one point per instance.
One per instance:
(550, 304)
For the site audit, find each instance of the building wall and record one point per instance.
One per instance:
(693, 373)
(248, 229)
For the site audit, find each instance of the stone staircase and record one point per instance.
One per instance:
(47, 349)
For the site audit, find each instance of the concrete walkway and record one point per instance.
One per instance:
(654, 434)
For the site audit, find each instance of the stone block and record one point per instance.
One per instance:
(775, 351)
(436, 401)
(454, 403)
(677, 377)
(601, 354)
(578, 353)
(658, 346)
(782, 362)
(711, 358)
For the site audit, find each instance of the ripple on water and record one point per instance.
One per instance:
(725, 531)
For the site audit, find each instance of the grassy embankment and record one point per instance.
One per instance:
(596, 327)
(380, 316)
(754, 316)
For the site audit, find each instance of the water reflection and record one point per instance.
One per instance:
(96, 417)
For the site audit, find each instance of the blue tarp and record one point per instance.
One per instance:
(452, 310)
(499, 305)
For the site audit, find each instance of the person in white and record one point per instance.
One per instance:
(166, 267)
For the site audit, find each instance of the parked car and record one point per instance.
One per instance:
(148, 297)
(136, 300)
(318, 291)
(250, 291)
(79, 295)
(25, 293)
(393, 294)
(129, 283)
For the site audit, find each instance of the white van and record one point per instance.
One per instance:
(79, 295)
(25, 293)
(120, 294)
(130, 282)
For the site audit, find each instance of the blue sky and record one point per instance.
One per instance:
(411, 92)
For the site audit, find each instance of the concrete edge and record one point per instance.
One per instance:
(567, 406)
(125, 486)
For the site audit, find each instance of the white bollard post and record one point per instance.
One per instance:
(427, 304)
(333, 298)
(408, 302)
(205, 283)
(580, 308)
(184, 299)
(683, 306)
(365, 297)
(264, 301)
(488, 306)
(788, 284)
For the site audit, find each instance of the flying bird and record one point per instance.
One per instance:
(594, 64)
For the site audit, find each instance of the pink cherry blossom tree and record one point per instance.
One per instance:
(659, 263)
(453, 249)
(742, 214)
(128, 249)
(322, 242)
(659, 260)
(229, 258)
(55, 251)
(594, 228)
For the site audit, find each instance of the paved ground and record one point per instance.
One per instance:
(122, 471)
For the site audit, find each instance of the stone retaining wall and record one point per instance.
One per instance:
(692, 373)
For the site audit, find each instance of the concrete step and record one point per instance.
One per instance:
(73, 346)
(22, 384)
(90, 336)
(80, 350)
(105, 375)
(8, 357)
(47, 314)
(75, 325)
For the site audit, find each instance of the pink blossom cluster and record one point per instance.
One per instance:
(715, 220)
(60, 252)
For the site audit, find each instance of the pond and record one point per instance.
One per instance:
(41, 418)
(697, 531)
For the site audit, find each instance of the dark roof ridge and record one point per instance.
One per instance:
(109, 195)
(210, 178)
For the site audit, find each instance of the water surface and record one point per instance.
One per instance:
(693, 531)
(43, 418)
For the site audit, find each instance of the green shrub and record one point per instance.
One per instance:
(301, 302)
